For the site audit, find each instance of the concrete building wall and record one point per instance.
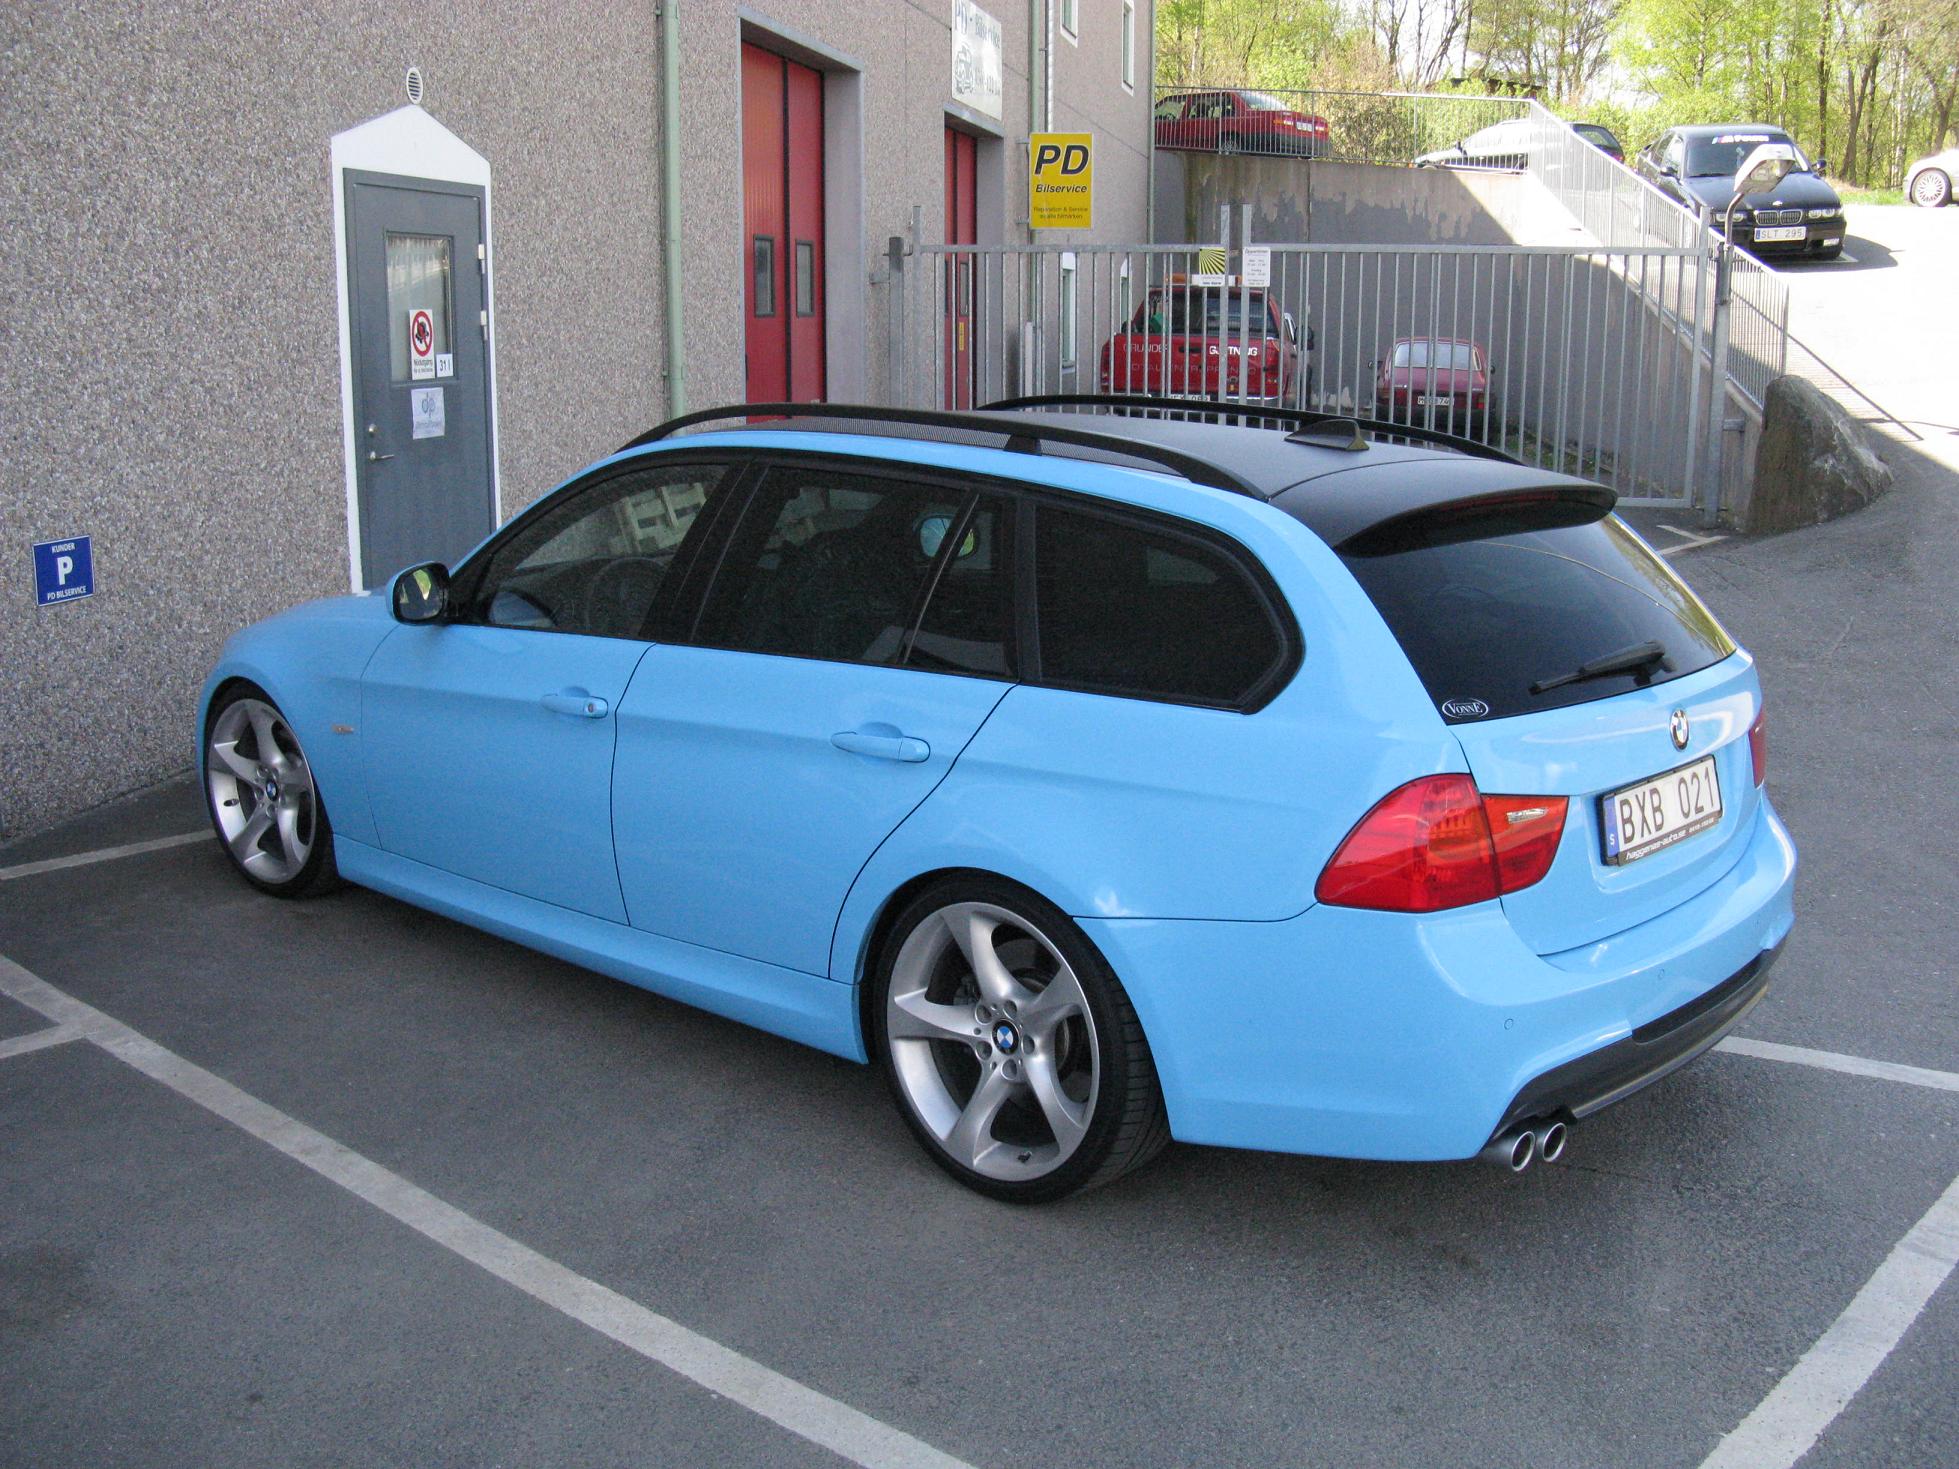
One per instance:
(169, 329)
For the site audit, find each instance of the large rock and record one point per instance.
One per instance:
(1815, 462)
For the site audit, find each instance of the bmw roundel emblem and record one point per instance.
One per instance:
(1680, 729)
(1006, 1038)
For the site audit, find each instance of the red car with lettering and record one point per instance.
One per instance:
(1191, 341)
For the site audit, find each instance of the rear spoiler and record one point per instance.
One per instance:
(1377, 505)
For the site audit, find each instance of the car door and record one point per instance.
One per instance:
(487, 738)
(856, 635)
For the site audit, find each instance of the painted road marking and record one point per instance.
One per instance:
(24, 1045)
(1787, 1423)
(1688, 540)
(783, 1401)
(1944, 1081)
(102, 854)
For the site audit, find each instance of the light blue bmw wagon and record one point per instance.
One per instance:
(1105, 772)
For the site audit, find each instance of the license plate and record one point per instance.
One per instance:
(1639, 820)
(1781, 232)
(1428, 402)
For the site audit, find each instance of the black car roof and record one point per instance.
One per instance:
(1337, 492)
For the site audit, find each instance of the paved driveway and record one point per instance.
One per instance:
(343, 1183)
(1886, 317)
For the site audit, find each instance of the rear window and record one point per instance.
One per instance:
(1482, 621)
(1202, 310)
(1459, 356)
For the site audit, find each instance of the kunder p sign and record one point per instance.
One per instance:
(1060, 180)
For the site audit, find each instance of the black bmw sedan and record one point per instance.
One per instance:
(1802, 215)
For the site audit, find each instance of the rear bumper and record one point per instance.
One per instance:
(1356, 1034)
(1658, 1048)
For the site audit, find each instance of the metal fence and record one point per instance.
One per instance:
(1588, 358)
(1609, 201)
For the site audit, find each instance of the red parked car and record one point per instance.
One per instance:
(1436, 382)
(1238, 122)
(1205, 342)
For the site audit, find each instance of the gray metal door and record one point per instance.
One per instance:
(415, 281)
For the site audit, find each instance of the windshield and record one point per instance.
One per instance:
(1723, 156)
(1198, 310)
(1457, 355)
(1264, 102)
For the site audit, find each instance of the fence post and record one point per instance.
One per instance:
(1702, 247)
(894, 319)
(1717, 388)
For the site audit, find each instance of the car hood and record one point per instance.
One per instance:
(1797, 191)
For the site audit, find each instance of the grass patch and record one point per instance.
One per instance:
(1851, 195)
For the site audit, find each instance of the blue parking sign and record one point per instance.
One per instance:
(63, 570)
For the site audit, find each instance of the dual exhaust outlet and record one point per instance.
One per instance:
(1516, 1148)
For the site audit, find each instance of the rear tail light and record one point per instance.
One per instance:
(1439, 843)
(1758, 746)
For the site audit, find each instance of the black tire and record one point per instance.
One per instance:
(1931, 189)
(261, 797)
(1099, 1078)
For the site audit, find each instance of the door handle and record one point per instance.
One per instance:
(374, 458)
(576, 703)
(882, 746)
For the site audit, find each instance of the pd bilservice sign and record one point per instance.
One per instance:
(1061, 181)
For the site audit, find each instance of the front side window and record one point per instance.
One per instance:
(838, 564)
(1130, 608)
(595, 562)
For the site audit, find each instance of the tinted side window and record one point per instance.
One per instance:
(1128, 608)
(595, 561)
(1486, 620)
(836, 564)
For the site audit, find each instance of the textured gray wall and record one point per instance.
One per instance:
(169, 370)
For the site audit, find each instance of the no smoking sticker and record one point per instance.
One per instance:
(421, 343)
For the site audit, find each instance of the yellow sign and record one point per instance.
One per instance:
(1060, 180)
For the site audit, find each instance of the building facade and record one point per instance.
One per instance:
(290, 298)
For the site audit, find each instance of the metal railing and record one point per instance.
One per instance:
(1586, 361)
(1609, 201)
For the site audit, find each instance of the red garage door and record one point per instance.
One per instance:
(961, 228)
(782, 225)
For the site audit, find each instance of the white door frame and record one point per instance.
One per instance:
(410, 143)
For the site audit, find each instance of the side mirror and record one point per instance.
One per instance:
(421, 593)
(1292, 328)
(1668, 171)
(1819, 166)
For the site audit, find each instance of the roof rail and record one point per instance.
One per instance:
(1307, 426)
(1022, 438)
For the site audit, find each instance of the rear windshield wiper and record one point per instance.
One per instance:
(1639, 657)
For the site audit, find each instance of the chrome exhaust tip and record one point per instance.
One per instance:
(1551, 1139)
(1512, 1149)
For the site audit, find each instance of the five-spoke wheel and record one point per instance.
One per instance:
(262, 799)
(1013, 1052)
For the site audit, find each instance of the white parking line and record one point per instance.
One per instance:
(790, 1405)
(1944, 1081)
(1688, 540)
(1791, 1418)
(40, 1040)
(102, 854)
